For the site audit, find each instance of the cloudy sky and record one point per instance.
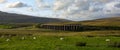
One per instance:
(66, 9)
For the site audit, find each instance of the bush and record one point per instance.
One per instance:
(81, 44)
(114, 44)
(90, 36)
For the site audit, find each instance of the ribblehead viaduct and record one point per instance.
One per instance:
(78, 27)
(68, 27)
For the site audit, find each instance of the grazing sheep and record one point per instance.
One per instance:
(34, 38)
(107, 40)
(61, 38)
(23, 38)
(7, 39)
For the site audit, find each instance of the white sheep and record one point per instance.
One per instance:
(61, 38)
(107, 40)
(23, 38)
(7, 39)
(34, 38)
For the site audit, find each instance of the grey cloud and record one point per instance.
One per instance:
(61, 4)
(2, 1)
(16, 5)
(112, 7)
(117, 5)
(42, 5)
(82, 8)
(87, 8)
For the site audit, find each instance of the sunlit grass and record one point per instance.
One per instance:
(54, 43)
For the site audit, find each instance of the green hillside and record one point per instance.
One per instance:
(18, 18)
(113, 21)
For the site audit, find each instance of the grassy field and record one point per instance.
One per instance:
(54, 43)
(31, 37)
(43, 39)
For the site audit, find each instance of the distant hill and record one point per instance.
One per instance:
(17, 18)
(111, 21)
